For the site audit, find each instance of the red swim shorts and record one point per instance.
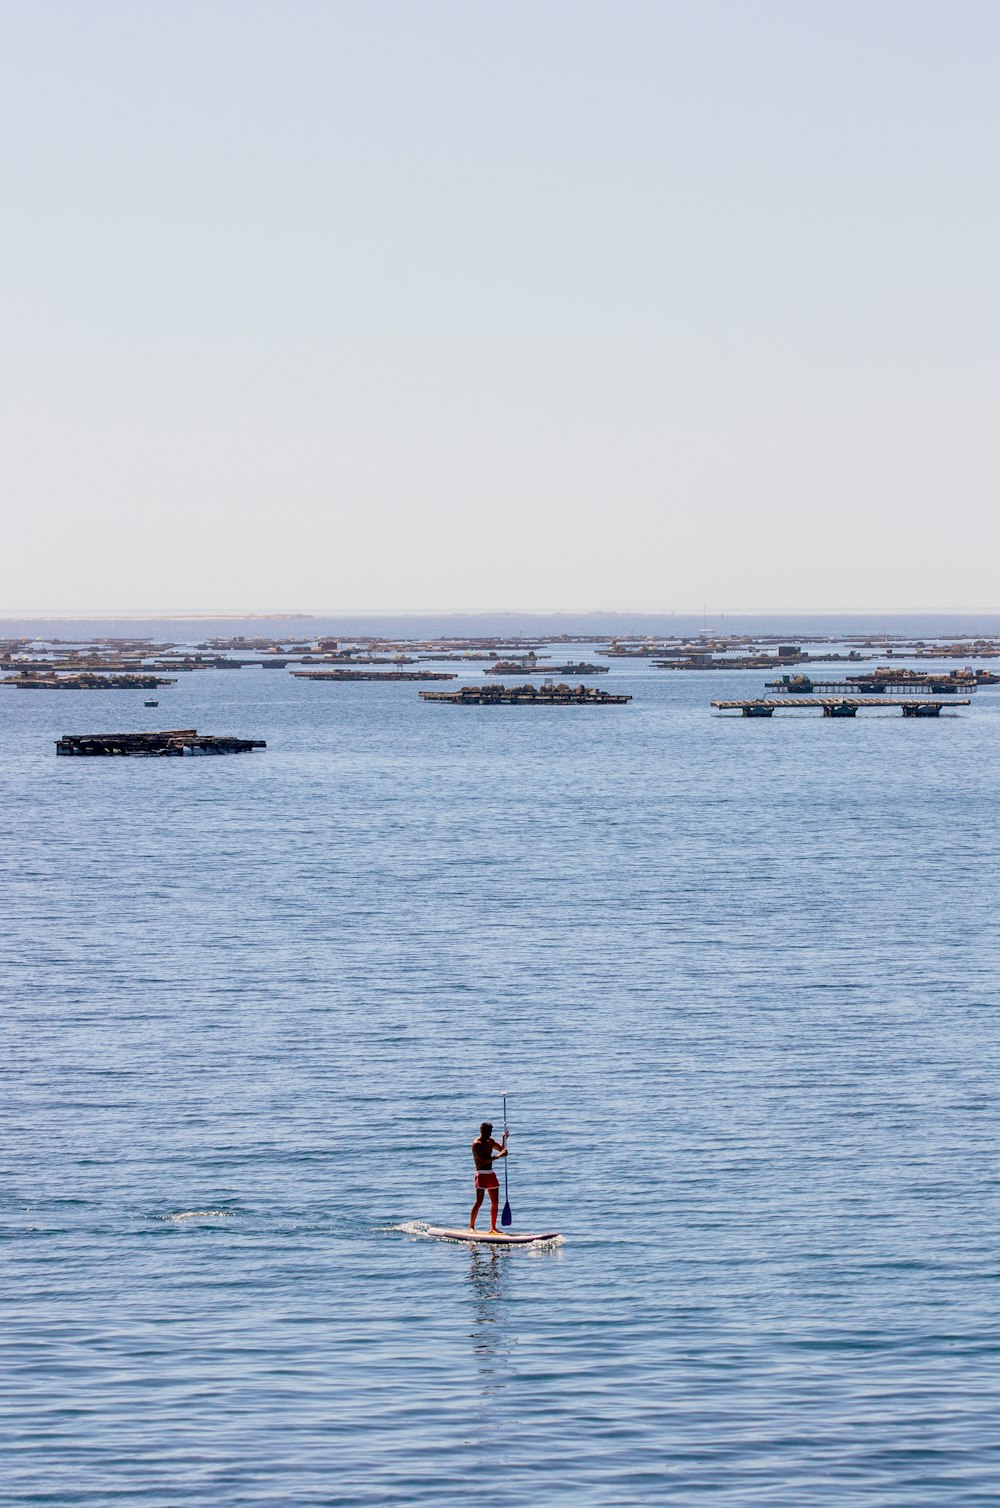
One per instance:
(487, 1180)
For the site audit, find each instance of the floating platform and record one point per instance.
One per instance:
(839, 706)
(580, 668)
(87, 681)
(175, 741)
(375, 675)
(518, 696)
(854, 686)
(528, 666)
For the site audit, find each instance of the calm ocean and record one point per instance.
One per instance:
(740, 981)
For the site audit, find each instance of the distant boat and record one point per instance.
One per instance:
(150, 704)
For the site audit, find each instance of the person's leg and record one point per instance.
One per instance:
(475, 1209)
(494, 1206)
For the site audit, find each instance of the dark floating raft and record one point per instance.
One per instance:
(519, 667)
(904, 685)
(516, 696)
(175, 741)
(88, 681)
(838, 706)
(374, 675)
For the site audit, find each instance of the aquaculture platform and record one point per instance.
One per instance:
(527, 695)
(880, 686)
(375, 675)
(835, 706)
(503, 667)
(177, 741)
(87, 681)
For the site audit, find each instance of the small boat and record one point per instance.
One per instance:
(150, 704)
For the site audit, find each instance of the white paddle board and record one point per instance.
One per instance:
(497, 1238)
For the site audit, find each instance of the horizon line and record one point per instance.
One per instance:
(237, 615)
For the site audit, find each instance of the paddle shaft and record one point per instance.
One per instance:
(506, 1217)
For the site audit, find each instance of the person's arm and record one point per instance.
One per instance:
(499, 1148)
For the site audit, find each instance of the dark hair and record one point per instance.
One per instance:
(486, 1129)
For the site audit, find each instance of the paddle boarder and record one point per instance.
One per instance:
(484, 1150)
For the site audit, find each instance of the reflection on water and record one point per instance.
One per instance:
(489, 1286)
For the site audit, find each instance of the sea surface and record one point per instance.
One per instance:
(739, 980)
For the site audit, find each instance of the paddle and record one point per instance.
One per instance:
(506, 1217)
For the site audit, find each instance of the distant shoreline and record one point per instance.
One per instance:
(601, 624)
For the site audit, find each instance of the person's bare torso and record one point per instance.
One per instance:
(482, 1154)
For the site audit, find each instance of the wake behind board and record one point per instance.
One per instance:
(499, 1238)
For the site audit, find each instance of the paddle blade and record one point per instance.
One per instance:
(506, 1217)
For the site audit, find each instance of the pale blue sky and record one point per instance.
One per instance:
(538, 305)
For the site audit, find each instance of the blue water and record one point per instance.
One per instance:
(740, 981)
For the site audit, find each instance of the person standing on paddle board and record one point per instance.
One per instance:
(484, 1149)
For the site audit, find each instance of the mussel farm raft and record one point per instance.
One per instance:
(527, 695)
(175, 741)
(375, 675)
(833, 706)
(88, 681)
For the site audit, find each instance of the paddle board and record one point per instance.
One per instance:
(499, 1238)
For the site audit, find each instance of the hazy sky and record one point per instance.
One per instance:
(429, 304)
